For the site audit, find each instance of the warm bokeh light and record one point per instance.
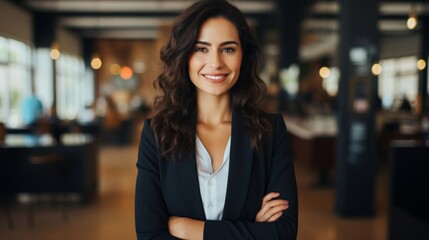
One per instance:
(115, 69)
(421, 64)
(126, 73)
(324, 72)
(55, 54)
(376, 69)
(96, 63)
(412, 22)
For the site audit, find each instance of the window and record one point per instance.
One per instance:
(330, 84)
(15, 75)
(398, 79)
(74, 86)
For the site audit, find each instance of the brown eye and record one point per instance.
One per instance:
(228, 50)
(200, 49)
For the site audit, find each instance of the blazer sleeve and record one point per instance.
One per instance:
(151, 214)
(282, 180)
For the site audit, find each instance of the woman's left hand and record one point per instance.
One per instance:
(271, 209)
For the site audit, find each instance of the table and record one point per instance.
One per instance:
(19, 169)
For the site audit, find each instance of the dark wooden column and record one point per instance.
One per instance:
(290, 14)
(355, 166)
(44, 37)
(423, 74)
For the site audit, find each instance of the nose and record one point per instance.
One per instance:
(215, 60)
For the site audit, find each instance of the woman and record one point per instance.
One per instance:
(211, 164)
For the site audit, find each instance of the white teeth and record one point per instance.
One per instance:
(217, 77)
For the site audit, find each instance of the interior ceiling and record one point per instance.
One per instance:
(143, 18)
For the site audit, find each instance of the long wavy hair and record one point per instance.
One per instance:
(176, 99)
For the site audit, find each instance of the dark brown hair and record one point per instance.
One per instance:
(177, 97)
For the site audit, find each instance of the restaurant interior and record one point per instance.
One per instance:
(349, 77)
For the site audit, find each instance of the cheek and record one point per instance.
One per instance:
(195, 64)
(237, 68)
(236, 64)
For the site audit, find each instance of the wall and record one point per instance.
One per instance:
(69, 42)
(399, 46)
(21, 29)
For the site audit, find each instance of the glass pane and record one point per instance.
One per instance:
(18, 89)
(17, 52)
(4, 96)
(407, 65)
(398, 79)
(3, 50)
(43, 77)
(71, 86)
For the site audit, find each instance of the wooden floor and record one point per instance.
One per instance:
(111, 216)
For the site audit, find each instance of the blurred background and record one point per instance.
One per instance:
(349, 77)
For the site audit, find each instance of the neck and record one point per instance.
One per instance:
(213, 110)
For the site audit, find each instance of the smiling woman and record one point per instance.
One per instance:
(212, 164)
(214, 66)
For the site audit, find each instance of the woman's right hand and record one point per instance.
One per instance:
(271, 210)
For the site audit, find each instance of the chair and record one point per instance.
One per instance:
(4, 203)
(49, 176)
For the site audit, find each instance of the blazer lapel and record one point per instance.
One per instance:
(187, 180)
(240, 166)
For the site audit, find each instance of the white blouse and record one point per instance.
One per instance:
(212, 184)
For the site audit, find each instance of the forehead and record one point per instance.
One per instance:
(218, 29)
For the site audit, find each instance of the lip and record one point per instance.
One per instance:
(215, 77)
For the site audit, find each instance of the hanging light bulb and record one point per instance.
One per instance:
(324, 72)
(376, 69)
(421, 64)
(412, 19)
(115, 69)
(55, 51)
(126, 73)
(96, 62)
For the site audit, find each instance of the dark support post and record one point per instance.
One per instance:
(44, 30)
(358, 51)
(44, 37)
(88, 46)
(289, 18)
(423, 75)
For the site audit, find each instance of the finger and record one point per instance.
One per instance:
(274, 203)
(269, 196)
(268, 211)
(275, 210)
(275, 217)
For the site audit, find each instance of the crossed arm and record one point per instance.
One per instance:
(188, 228)
(271, 221)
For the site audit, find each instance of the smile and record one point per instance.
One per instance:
(215, 77)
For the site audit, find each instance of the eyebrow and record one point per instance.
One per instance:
(222, 44)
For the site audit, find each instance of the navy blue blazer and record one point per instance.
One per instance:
(165, 189)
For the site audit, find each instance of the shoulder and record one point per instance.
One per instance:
(278, 126)
(147, 133)
(147, 137)
(276, 119)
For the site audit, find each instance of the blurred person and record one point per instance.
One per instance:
(32, 109)
(211, 163)
(405, 104)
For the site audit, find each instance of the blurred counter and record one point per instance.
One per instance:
(40, 164)
(313, 143)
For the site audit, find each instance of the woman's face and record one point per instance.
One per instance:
(214, 65)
